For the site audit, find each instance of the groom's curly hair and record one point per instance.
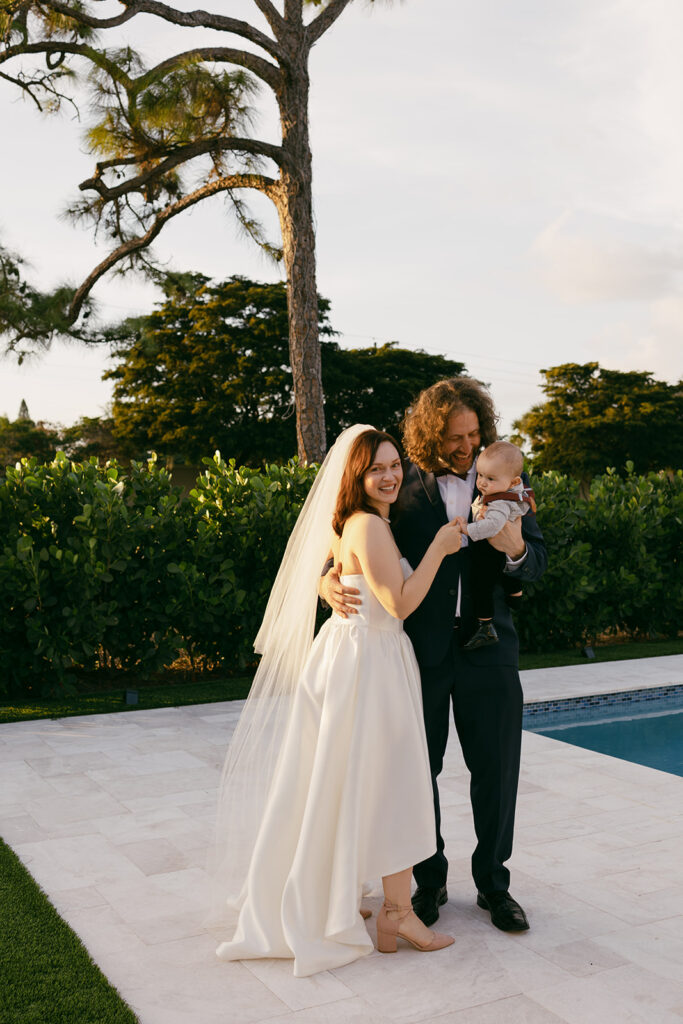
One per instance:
(426, 421)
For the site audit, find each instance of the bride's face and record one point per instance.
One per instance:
(382, 480)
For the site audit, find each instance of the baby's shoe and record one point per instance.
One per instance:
(485, 636)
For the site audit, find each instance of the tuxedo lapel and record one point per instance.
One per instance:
(431, 489)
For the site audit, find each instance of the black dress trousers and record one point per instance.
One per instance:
(487, 710)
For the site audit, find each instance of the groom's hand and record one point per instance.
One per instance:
(510, 540)
(340, 598)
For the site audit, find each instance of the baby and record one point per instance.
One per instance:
(502, 499)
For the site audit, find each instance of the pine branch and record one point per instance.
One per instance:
(114, 161)
(46, 83)
(97, 57)
(271, 14)
(293, 11)
(134, 245)
(263, 69)
(325, 20)
(253, 229)
(188, 19)
(27, 314)
(182, 155)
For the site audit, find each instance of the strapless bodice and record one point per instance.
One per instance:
(371, 613)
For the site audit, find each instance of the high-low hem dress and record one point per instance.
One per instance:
(352, 798)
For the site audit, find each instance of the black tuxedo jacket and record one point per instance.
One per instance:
(416, 516)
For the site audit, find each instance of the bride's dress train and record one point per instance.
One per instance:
(351, 800)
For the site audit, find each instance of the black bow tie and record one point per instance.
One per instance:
(450, 472)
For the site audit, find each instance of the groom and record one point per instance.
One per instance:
(443, 432)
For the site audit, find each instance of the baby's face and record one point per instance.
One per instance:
(493, 475)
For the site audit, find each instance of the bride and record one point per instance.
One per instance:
(326, 784)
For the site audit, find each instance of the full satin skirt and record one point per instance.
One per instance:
(351, 800)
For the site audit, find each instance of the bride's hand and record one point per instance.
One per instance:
(449, 537)
(340, 598)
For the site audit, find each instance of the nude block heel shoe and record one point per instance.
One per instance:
(388, 931)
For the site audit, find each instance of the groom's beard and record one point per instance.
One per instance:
(460, 465)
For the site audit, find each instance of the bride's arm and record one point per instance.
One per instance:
(374, 548)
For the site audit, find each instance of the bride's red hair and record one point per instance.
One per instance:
(352, 497)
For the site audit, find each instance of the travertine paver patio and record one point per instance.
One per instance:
(113, 815)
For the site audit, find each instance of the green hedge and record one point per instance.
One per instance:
(106, 567)
(101, 567)
(614, 560)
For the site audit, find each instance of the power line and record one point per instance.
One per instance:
(483, 362)
(474, 355)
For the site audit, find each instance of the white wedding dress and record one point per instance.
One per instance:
(351, 800)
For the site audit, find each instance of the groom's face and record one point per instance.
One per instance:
(462, 440)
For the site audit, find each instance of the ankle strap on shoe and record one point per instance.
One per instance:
(397, 908)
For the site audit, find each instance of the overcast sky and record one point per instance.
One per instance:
(497, 182)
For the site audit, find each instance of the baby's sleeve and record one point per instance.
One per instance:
(497, 515)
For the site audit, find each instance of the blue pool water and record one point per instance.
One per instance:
(649, 733)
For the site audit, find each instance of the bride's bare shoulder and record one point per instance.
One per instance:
(364, 528)
(362, 521)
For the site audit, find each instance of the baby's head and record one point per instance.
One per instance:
(499, 467)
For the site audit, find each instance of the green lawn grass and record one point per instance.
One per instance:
(177, 694)
(106, 701)
(603, 652)
(46, 975)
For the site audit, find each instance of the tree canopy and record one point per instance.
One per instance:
(594, 418)
(171, 134)
(22, 437)
(377, 384)
(90, 435)
(210, 369)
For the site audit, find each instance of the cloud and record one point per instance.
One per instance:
(664, 343)
(627, 63)
(631, 274)
(654, 346)
(588, 265)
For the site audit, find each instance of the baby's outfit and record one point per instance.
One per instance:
(501, 508)
(488, 563)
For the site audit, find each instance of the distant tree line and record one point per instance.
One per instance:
(209, 370)
(594, 418)
(23, 438)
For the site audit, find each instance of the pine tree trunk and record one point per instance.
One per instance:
(295, 209)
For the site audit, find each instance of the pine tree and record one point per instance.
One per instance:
(173, 134)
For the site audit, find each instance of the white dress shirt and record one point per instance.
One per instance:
(456, 494)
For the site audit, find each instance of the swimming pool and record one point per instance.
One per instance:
(647, 731)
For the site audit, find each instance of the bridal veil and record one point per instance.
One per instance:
(284, 640)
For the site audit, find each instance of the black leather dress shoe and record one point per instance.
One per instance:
(426, 902)
(506, 913)
(484, 637)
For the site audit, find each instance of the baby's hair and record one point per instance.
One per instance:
(508, 453)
